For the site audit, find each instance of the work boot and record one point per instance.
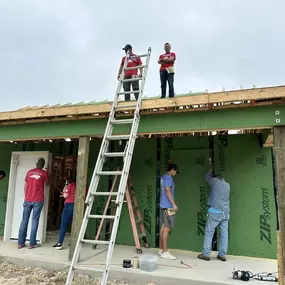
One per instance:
(203, 257)
(222, 258)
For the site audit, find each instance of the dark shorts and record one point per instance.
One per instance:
(167, 221)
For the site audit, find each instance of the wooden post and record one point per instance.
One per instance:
(82, 164)
(279, 147)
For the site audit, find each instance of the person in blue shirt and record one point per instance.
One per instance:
(168, 208)
(218, 216)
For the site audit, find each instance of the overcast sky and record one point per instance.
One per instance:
(60, 51)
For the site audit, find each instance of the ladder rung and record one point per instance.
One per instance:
(141, 236)
(135, 67)
(105, 193)
(109, 173)
(138, 221)
(127, 92)
(125, 106)
(142, 55)
(90, 241)
(118, 137)
(88, 268)
(121, 122)
(102, 217)
(114, 154)
(132, 79)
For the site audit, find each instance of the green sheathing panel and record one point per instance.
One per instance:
(143, 174)
(252, 117)
(191, 154)
(248, 169)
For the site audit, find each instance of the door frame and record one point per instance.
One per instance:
(11, 194)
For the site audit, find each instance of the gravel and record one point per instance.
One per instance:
(14, 274)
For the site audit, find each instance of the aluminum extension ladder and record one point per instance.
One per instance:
(134, 212)
(98, 172)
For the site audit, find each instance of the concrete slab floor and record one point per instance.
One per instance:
(167, 272)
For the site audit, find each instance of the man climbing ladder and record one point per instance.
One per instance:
(104, 154)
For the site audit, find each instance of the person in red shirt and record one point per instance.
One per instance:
(166, 62)
(68, 194)
(34, 189)
(129, 74)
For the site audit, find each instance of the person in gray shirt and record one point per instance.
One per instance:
(218, 215)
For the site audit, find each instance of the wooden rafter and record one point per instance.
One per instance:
(202, 102)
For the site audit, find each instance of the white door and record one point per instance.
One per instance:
(21, 162)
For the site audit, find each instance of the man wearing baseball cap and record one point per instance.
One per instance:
(168, 208)
(129, 74)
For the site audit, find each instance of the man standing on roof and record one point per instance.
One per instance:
(34, 189)
(167, 61)
(218, 216)
(168, 208)
(130, 74)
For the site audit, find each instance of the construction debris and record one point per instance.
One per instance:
(11, 274)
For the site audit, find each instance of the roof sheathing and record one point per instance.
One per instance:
(181, 103)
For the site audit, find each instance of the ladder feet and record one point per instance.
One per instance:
(94, 246)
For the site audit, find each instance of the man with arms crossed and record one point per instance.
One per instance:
(35, 181)
(167, 210)
(218, 215)
(166, 71)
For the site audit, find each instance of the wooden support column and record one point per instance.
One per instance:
(82, 165)
(279, 147)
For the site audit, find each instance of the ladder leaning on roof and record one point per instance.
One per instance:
(98, 172)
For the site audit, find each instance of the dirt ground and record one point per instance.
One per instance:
(13, 274)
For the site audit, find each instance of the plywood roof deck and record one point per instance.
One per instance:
(181, 103)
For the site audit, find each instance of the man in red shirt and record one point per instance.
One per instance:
(166, 61)
(129, 74)
(35, 181)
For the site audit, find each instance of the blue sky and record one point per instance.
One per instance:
(69, 51)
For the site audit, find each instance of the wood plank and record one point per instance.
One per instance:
(248, 94)
(280, 260)
(279, 148)
(187, 100)
(82, 164)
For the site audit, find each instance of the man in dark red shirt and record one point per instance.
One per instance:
(166, 61)
(129, 74)
(35, 181)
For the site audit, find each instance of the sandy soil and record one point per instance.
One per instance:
(13, 274)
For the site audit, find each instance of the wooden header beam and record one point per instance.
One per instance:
(150, 104)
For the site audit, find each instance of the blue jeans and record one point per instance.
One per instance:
(164, 77)
(66, 219)
(28, 207)
(213, 221)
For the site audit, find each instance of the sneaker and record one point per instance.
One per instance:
(21, 246)
(203, 257)
(167, 255)
(58, 246)
(160, 252)
(34, 246)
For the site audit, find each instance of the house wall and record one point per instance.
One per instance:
(244, 164)
(235, 118)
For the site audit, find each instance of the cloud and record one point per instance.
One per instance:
(69, 51)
